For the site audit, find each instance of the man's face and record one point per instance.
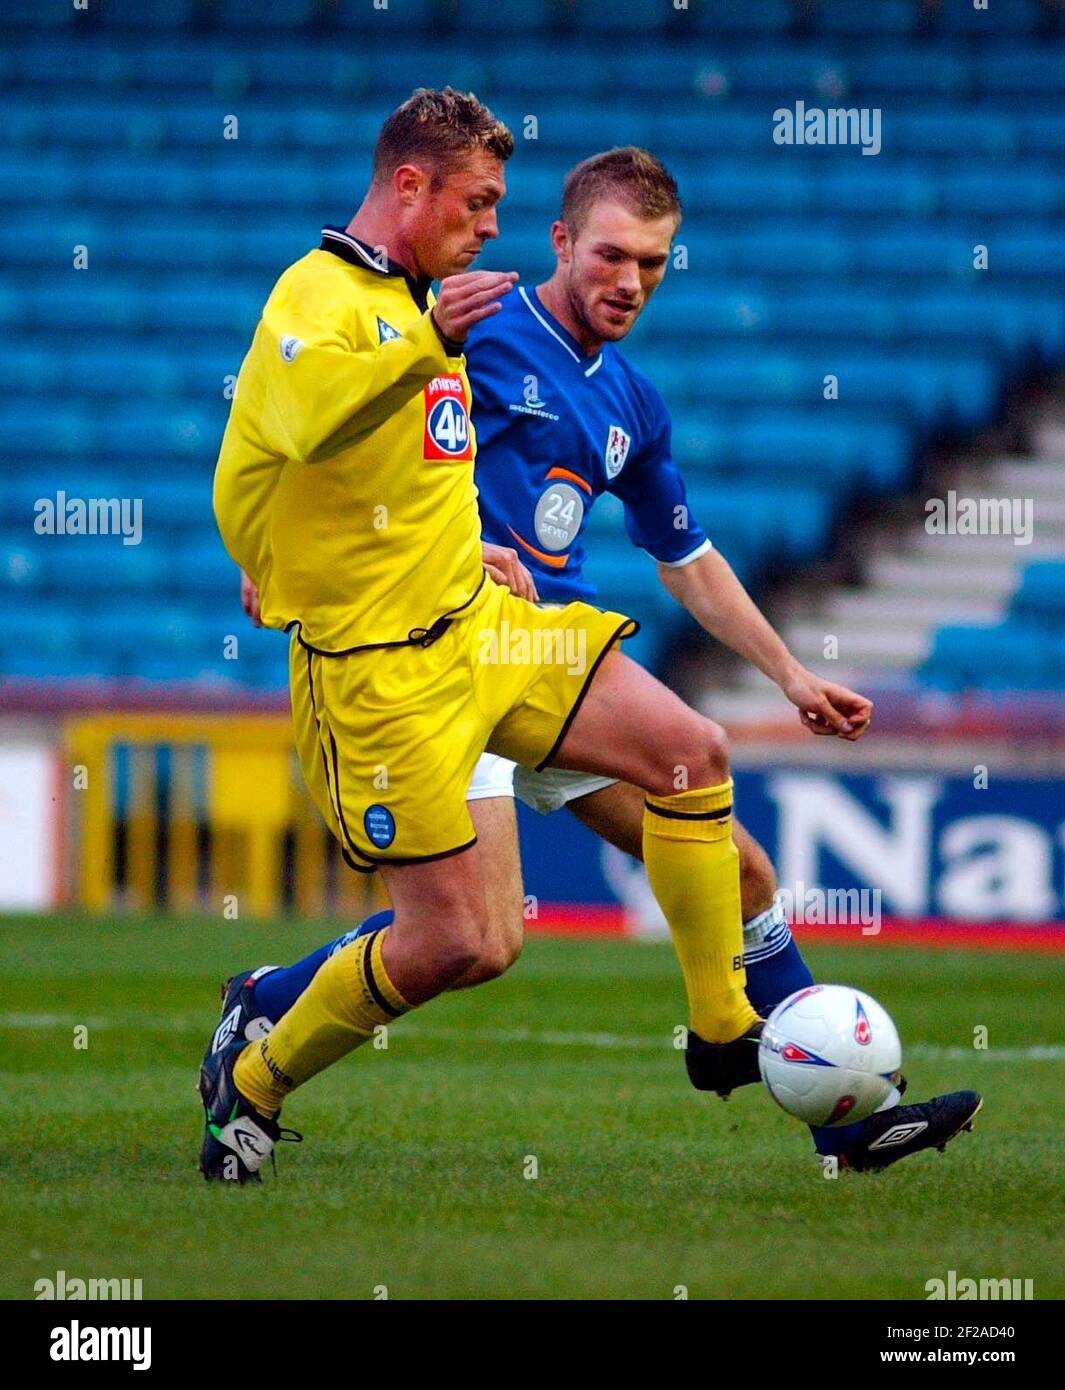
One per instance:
(613, 265)
(447, 226)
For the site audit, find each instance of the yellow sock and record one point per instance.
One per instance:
(348, 998)
(693, 868)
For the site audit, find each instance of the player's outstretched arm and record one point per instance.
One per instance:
(716, 599)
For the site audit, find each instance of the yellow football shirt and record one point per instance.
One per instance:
(344, 485)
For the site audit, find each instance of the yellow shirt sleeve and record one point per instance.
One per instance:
(326, 387)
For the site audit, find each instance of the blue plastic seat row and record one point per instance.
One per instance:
(1014, 655)
(309, 187)
(309, 125)
(894, 18)
(961, 385)
(852, 315)
(149, 433)
(830, 66)
(1041, 594)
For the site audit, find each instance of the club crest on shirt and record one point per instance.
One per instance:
(385, 331)
(617, 450)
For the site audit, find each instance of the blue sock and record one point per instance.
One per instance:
(775, 969)
(277, 992)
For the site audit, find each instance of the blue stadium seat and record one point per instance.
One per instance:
(873, 188)
(905, 70)
(731, 187)
(1041, 596)
(490, 17)
(1039, 131)
(103, 564)
(551, 76)
(741, 19)
(1033, 252)
(55, 15)
(51, 178)
(1006, 656)
(893, 18)
(401, 15)
(958, 132)
(643, 19)
(152, 14)
(21, 568)
(1011, 323)
(756, 71)
(39, 629)
(960, 17)
(931, 252)
(788, 522)
(1027, 70)
(1011, 192)
(55, 432)
(278, 14)
(849, 453)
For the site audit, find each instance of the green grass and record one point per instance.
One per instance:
(412, 1173)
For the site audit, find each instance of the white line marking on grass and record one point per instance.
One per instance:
(1053, 1052)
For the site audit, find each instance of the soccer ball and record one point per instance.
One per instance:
(829, 1055)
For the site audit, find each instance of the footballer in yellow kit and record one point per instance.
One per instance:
(345, 489)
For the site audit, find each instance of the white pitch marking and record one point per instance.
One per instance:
(1052, 1052)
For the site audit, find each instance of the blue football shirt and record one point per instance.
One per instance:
(556, 429)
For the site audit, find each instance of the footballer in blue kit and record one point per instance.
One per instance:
(561, 417)
(555, 430)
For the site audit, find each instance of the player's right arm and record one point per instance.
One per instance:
(326, 388)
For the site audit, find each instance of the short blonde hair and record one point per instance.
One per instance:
(628, 174)
(440, 128)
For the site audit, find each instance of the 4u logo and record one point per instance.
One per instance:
(447, 419)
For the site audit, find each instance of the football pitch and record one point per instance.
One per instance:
(533, 1138)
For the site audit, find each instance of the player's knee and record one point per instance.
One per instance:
(457, 943)
(715, 751)
(496, 958)
(700, 759)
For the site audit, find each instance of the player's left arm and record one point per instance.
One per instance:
(710, 591)
(658, 518)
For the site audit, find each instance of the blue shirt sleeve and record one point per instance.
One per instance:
(657, 515)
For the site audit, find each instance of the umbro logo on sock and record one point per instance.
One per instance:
(899, 1134)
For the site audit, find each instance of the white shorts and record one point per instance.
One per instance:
(545, 791)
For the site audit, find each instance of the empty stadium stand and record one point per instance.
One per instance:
(828, 322)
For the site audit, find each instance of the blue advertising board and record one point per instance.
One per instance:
(978, 848)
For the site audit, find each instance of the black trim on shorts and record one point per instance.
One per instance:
(359, 868)
(723, 814)
(416, 637)
(334, 801)
(422, 858)
(619, 634)
(371, 983)
(340, 805)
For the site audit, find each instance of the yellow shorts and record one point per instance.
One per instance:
(388, 739)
